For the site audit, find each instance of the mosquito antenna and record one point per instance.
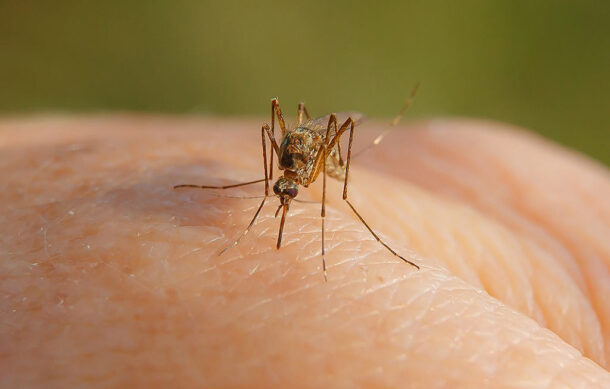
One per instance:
(404, 107)
(395, 122)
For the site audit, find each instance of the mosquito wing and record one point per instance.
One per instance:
(321, 124)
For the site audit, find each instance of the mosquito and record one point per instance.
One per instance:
(311, 148)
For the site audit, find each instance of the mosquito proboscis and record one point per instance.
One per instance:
(312, 147)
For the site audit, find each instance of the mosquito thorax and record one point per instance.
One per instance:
(286, 188)
(297, 150)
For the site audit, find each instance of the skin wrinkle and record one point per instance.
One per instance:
(599, 300)
(428, 295)
(570, 267)
(468, 245)
(571, 362)
(600, 356)
(399, 329)
(506, 271)
(387, 285)
(556, 234)
(594, 346)
(524, 272)
(542, 308)
(448, 169)
(498, 264)
(444, 236)
(560, 370)
(463, 332)
(575, 182)
(471, 301)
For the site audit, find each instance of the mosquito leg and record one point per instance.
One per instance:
(274, 145)
(323, 211)
(317, 164)
(349, 157)
(320, 163)
(275, 111)
(349, 160)
(273, 135)
(340, 132)
(302, 110)
(380, 137)
(266, 179)
(236, 241)
(264, 129)
(275, 108)
(273, 101)
(377, 238)
(265, 160)
(341, 162)
(332, 120)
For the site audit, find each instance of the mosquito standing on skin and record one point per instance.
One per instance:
(311, 148)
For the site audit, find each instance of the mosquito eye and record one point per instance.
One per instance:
(276, 189)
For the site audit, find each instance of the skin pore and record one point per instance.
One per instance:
(110, 278)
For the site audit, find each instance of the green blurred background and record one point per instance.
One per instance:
(544, 65)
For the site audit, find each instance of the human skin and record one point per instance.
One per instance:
(110, 278)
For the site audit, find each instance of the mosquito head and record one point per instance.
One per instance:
(286, 189)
